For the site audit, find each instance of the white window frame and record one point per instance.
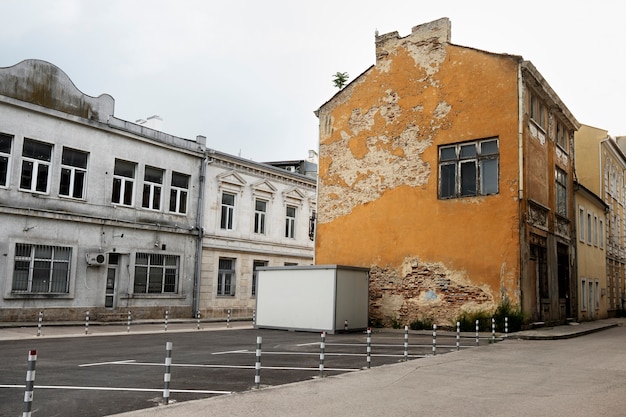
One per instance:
(561, 192)
(152, 196)
(74, 172)
(595, 230)
(583, 296)
(40, 170)
(601, 238)
(255, 273)
(260, 216)
(179, 193)
(165, 267)
(581, 223)
(227, 211)
(5, 158)
(125, 182)
(589, 229)
(46, 265)
(290, 221)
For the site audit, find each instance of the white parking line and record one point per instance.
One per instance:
(192, 365)
(118, 389)
(108, 363)
(229, 351)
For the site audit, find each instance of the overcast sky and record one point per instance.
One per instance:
(249, 74)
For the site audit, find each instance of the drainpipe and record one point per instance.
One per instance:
(200, 231)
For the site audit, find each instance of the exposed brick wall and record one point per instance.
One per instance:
(423, 291)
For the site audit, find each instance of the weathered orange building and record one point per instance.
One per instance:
(448, 171)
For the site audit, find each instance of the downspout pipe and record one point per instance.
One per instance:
(200, 234)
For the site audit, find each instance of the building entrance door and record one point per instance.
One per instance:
(109, 296)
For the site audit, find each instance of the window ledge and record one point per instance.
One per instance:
(38, 296)
(153, 296)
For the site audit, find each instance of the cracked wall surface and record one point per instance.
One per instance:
(378, 186)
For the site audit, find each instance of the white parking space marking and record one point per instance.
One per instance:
(191, 365)
(107, 363)
(229, 351)
(118, 389)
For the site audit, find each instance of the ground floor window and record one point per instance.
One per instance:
(156, 273)
(41, 269)
(255, 274)
(226, 277)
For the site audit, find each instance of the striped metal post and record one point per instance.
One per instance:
(434, 339)
(322, 348)
(345, 326)
(87, 322)
(369, 347)
(198, 320)
(477, 336)
(253, 316)
(506, 327)
(406, 343)
(30, 383)
(39, 324)
(167, 377)
(493, 330)
(228, 319)
(167, 313)
(458, 335)
(257, 365)
(128, 322)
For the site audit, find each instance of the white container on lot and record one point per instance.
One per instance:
(312, 298)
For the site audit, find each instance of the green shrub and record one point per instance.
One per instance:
(505, 309)
(423, 324)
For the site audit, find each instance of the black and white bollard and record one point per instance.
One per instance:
(345, 326)
(434, 339)
(39, 323)
(167, 313)
(322, 348)
(257, 365)
(458, 335)
(128, 323)
(477, 336)
(30, 383)
(87, 322)
(228, 319)
(506, 327)
(369, 348)
(198, 320)
(253, 316)
(406, 343)
(167, 377)
(493, 330)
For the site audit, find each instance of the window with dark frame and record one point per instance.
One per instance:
(537, 110)
(255, 274)
(36, 157)
(469, 169)
(73, 173)
(226, 277)
(561, 192)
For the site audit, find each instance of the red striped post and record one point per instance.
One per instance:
(30, 383)
(167, 377)
(257, 365)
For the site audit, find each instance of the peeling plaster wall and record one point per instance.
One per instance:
(378, 185)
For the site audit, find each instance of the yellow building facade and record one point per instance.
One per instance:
(448, 171)
(600, 167)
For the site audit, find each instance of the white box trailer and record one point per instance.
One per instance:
(312, 298)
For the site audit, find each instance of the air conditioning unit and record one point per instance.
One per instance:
(95, 259)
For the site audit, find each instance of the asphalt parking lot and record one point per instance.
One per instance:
(98, 375)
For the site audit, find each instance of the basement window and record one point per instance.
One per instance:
(469, 169)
